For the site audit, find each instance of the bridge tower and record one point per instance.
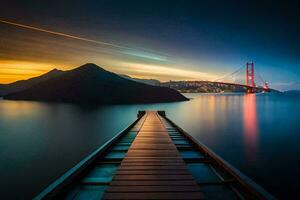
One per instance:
(266, 87)
(250, 77)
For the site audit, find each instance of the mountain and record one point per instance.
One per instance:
(292, 92)
(2, 90)
(146, 81)
(25, 84)
(288, 86)
(90, 84)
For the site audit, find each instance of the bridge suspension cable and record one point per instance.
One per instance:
(265, 84)
(260, 78)
(252, 77)
(230, 75)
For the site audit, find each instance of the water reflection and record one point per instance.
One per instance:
(17, 109)
(250, 127)
(245, 130)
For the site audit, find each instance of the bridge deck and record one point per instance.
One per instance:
(153, 168)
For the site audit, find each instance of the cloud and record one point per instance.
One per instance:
(137, 52)
(145, 55)
(60, 34)
(161, 72)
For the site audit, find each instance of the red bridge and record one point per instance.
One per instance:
(250, 85)
(246, 82)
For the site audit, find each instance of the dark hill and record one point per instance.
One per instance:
(25, 84)
(90, 84)
(140, 80)
(292, 92)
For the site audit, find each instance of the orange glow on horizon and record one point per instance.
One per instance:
(161, 72)
(14, 70)
(11, 70)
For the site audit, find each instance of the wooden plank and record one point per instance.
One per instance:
(141, 141)
(154, 195)
(152, 146)
(146, 136)
(152, 167)
(152, 153)
(153, 125)
(153, 129)
(152, 160)
(152, 172)
(143, 188)
(152, 140)
(151, 163)
(154, 177)
(143, 158)
(152, 182)
(141, 132)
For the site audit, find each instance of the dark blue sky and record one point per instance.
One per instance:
(214, 37)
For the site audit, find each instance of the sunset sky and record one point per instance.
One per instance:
(165, 40)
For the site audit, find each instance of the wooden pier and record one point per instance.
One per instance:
(153, 158)
(153, 168)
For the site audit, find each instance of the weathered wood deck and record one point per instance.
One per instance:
(153, 168)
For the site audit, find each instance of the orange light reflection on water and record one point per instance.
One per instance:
(18, 109)
(250, 127)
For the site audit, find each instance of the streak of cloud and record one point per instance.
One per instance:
(154, 71)
(141, 52)
(144, 55)
(61, 34)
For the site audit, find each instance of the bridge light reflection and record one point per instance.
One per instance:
(250, 127)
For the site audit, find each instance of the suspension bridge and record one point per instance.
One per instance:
(245, 79)
(253, 80)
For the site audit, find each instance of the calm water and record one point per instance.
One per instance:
(258, 134)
